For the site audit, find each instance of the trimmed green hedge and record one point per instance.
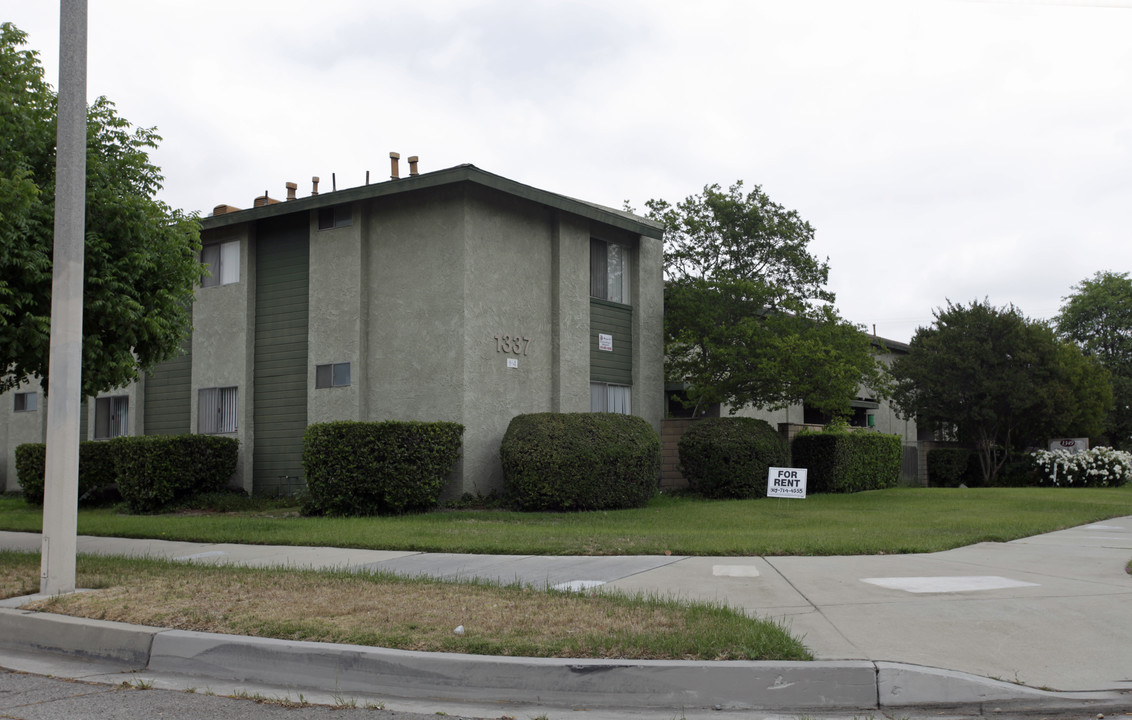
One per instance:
(378, 468)
(729, 457)
(952, 467)
(96, 469)
(580, 461)
(849, 461)
(157, 471)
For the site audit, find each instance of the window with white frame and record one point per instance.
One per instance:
(111, 417)
(26, 402)
(223, 261)
(332, 375)
(216, 410)
(609, 271)
(607, 397)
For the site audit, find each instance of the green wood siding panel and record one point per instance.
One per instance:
(168, 395)
(617, 320)
(280, 378)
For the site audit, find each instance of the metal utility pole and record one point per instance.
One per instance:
(64, 368)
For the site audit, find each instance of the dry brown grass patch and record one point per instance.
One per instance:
(414, 615)
(388, 611)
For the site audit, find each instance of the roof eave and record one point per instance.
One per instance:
(460, 173)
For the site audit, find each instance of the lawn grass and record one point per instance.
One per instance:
(411, 614)
(899, 520)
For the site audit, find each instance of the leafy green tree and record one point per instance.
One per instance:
(141, 259)
(748, 319)
(1097, 318)
(999, 380)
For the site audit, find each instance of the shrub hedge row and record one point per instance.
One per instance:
(580, 461)
(848, 461)
(371, 468)
(729, 457)
(96, 469)
(156, 471)
(151, 472)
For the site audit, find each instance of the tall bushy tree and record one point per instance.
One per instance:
(141, 257)
(748, 318)
(1097, 318)
(999, 380)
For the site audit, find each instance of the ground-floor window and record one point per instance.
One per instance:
(216, 410)
(26, 402)
(111, 417)
(606, 397)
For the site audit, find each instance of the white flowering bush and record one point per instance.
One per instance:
(1095, 467)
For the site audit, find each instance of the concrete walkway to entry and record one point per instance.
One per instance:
(1050, 611)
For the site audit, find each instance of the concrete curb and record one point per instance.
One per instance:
(113, 642)
(553, 682)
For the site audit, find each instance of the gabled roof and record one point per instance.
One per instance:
(461, 173)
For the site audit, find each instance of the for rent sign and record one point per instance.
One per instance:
(786, 482)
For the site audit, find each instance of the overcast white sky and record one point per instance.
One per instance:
(941, 148)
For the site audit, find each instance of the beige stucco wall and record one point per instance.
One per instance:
(415, 346)
(508, 280)
(223, 332)
(648, 331)
(17, 428)
(338, 305)
(570, 313)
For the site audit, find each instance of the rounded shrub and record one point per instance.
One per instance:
(378, 468)
(729, 457)
(580, 461)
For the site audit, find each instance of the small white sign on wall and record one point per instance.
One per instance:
(512, 362)
(786, 482)
(605, 342)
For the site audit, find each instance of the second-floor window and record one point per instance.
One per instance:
(609, 271)
(223, 261)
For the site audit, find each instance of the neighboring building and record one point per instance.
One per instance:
(454, 295)
(868, 412)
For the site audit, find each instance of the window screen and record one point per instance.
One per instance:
(26, 402)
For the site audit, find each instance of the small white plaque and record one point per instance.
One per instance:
(512, 362)
(605, 342)
(786, 482)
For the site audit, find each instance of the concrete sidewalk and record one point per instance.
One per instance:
(892, 631)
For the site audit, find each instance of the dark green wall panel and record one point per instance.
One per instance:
(280, 379)
(168, 391)
(616, 320)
